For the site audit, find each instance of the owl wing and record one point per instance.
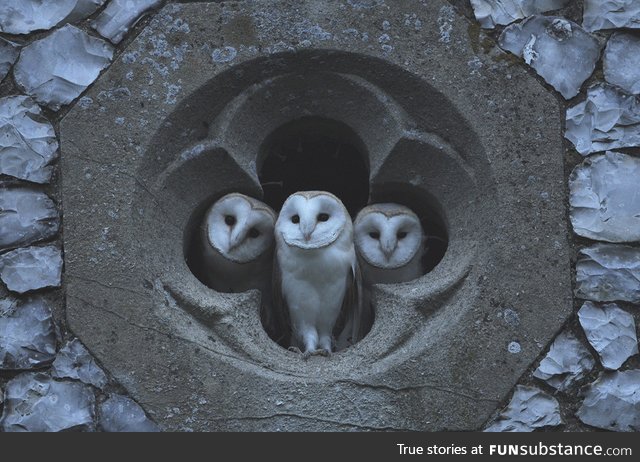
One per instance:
(276, 316)
(356, 316)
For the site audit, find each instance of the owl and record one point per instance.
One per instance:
(389, 241)
(316, 277)
(237, 241)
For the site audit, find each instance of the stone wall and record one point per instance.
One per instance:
(586, 379)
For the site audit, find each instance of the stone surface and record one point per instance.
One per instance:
(34, 402)
(27, 333)
(622, 62)
(611, 332)
(75, 362)
(186, 108)
(55, 70)
(28, 141)
(607, 119)
(608, 272)
(25, 16)
(492, 12)
(559, 50)
(119, 15)
(610, 14)
(121, 414)
(529, 409)
(9, 52)
(26, 216)
(613, 402)
(604, 194)
(31, 268)
(567, 362)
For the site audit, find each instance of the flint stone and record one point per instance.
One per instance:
(204, 122)
(559, 50)
(27, 334)
(604, 194)
(75, 362)
(611, 332)
(26, 16)
(55, 70)
(613, 402)
(607, 119)
(9, 52)
(28, 141)
(529, 409)
(567, 362)
(492, 12)
(31, 268)
(608, 272)
(26, 216)
(622, 62)
(122, 414)
(119, 16)
(34, 402)
(610, 14)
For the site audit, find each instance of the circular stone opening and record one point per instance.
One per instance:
(314, 153)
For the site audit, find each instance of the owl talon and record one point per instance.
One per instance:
(295, 349)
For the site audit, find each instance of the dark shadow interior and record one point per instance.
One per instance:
(314, 153)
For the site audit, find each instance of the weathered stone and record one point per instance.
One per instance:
(603, 193)
(119, 15)
(55, 70)
(26, 216)
(31, 268)
(611, 332)
(200, 93)
(9, 52)
(610, 14)
(559, 50)
(34, 402)
(122, 414)
(75, 362)
(27, 333)
(622, 62)
(608, 272)
(28, 141)
(607, 119)
(492, 12)
(567, 361)
(25, 16)
(613, 402)
(529, 409)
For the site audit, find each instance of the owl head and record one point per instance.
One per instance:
(312, 219)
(239, 227)
(388, 236)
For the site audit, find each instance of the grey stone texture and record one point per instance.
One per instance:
(182, 114)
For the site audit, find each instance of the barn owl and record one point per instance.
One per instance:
(237, 236)
(390, 243)
(316, 277)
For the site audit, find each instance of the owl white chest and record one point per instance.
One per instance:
(314, 281)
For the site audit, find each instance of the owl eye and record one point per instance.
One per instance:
(295, 219)
(230, 220)
(374, 235)
(401, 234)
(253, 233)
(323, 217)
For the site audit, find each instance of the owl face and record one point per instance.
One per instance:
(312, 219)
(387, 236)
(240, 227)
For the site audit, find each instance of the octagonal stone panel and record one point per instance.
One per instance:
(183, 116)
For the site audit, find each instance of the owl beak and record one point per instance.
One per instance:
(307, 231)
(388, 247)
